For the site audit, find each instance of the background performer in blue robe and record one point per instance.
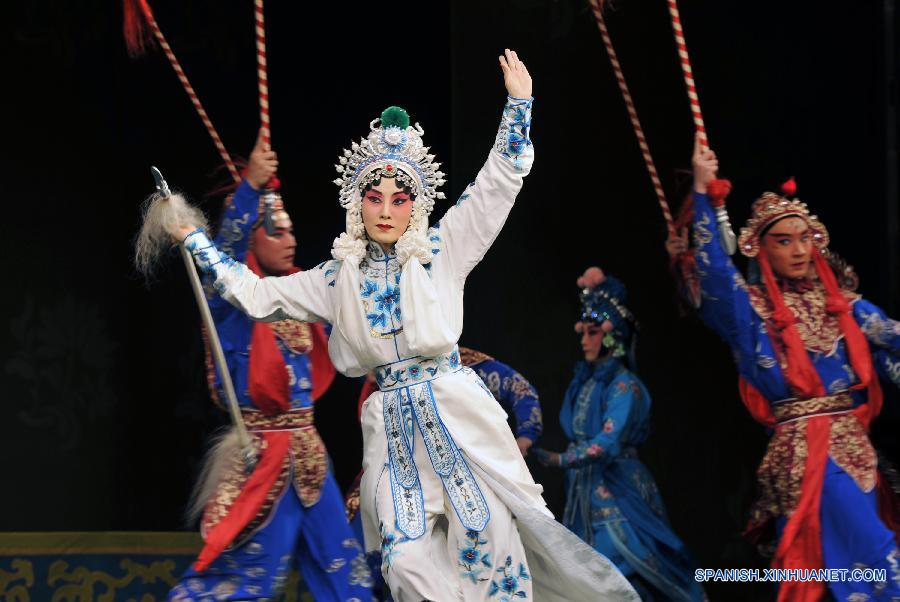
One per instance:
(289, 511)
(612, 501)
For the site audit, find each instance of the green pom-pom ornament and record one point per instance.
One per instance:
(395, 116)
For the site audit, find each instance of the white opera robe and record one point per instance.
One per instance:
(403, 322)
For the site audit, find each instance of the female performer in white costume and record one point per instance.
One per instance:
(446, 493)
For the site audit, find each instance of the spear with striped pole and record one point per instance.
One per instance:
(269, 195)
(722, 187)
(137, 16)
(597, 7)
(262, 75)
(729, 242)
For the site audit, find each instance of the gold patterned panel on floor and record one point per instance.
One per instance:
(101, 566)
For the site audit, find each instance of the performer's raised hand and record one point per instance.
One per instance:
(263, 164)
(515, 75)
(706, 166)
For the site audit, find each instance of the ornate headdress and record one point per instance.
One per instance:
(603, 298)
(770, 208)
(393, 149)
(272, 214)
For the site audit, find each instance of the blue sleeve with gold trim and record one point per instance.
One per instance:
(515, 394)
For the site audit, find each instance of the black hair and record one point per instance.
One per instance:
(377, 181)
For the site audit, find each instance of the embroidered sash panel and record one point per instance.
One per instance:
(405, 408)
(416, 370)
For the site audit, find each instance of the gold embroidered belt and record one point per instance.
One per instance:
(288, 421)
(795, 409)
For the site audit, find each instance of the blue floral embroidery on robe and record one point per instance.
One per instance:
(389, 543)
(473, 559)
(507, 586)
(380, 291)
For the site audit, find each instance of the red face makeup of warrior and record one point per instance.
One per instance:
(788, 246)
(592, 339)
(275, 253)
(386, 211)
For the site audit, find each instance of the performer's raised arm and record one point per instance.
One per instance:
(242, 208)
(241, 216)
(726, 304)
(471, 226)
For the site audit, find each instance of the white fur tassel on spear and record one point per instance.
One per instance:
(165, 212)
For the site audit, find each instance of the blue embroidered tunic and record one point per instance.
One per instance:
(852, 535)
(613, 502)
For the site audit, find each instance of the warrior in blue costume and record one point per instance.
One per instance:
(809, 352)
(288, 511)
(612, 500)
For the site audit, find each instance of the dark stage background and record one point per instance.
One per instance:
(105, 413)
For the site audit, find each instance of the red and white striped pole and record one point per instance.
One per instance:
(685, 61)
(170, 55)
(262, 75)
(723, 187)
(597, 7)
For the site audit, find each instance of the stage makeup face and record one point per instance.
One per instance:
(592, 339)
(275, 253)
(788, 246)
(386, 210)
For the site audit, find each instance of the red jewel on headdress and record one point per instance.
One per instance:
(789, 188)
(390, 167)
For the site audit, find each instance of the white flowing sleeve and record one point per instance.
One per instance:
(469, 228)
(302, 296)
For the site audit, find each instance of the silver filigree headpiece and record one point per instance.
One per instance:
(393, 149)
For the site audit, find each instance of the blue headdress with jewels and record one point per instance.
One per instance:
(606, 301)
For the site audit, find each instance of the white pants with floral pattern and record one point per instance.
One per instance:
(450, 562)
